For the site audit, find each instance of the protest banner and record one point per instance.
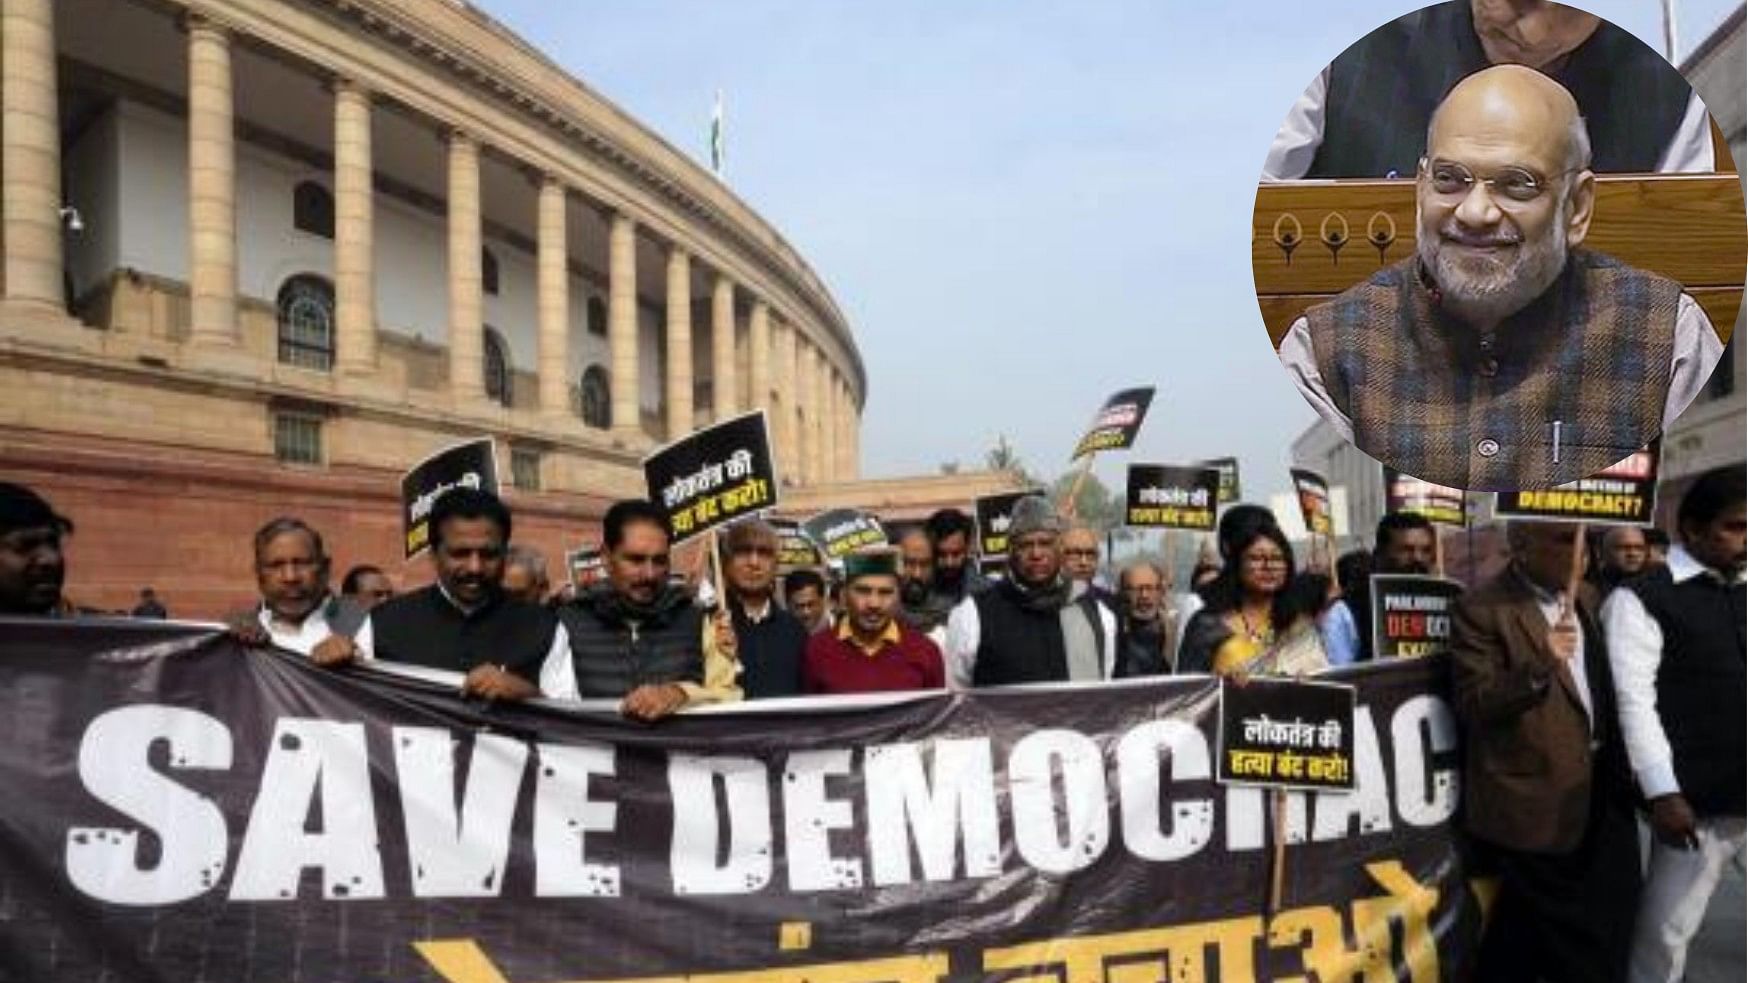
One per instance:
(1624, 493)
(1230, 489)
(1161, 496)
(1117, 422)
(715, 475)
(1434, 503)
(1313, 492)
(586, 565)
(794, 550)
(994, 513)
(1286, 733)
(470, 465)
(841, 532)
(1411, 615)
(192, 809)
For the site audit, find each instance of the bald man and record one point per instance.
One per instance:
(1502, 355)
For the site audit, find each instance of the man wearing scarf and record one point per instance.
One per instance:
(920, 607)
(637, 637)
(1029, 628)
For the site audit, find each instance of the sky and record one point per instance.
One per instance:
(1021, 206)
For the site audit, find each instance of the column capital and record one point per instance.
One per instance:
(349, 87)
(456, 138)
(200, 19)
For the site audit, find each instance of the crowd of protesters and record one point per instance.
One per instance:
(1578, 706)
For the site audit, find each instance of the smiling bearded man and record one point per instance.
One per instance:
(1501, 355)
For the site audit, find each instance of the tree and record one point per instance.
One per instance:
(949, 467)
(1003, 457)
(1094, 504)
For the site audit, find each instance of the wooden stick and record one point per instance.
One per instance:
(1278, 862)
(1570, 601)
(1068, 508)
(1170, 560)
(716, 571)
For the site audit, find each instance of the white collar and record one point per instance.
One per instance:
(466, 611)
(317, 615)
(758, 616)
(1683, 567)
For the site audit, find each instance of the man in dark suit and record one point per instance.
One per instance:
(1545, 779)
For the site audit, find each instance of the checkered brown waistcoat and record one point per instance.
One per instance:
(1438, 399)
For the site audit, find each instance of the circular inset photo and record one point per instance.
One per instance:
(1499, 245)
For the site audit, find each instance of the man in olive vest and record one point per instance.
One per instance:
(1676, 646)
(1501, 355)
(637, 637)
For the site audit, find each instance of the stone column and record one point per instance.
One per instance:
(622, 323)
(679, 382)
(725, 383)
(808, 365)
(354, 232)
(759, 351)
(828, 420)
(466, 321)
(30, 155)
(852, 452)
(212, 190)
(553, 300)
(788, 384)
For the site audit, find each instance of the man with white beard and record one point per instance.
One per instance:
(1502, 355)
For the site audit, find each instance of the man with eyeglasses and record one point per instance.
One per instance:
(1080, 562)
(1501, 355)
(1030, 627)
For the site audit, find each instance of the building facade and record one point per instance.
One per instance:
(260, 256)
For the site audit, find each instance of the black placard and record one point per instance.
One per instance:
(1624, 493)
(994, 513)
(1117, 423)
(1163, 496)
(586, 566)
(843, 531)
(1313, 492)
(713, 476)
(470, 465)
(794, 550)
(1230, 488)
(1411, 615)
(1434, 503)
(1286, 733)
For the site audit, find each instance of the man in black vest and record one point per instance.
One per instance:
(509, 649)
(1363, 117)
(1676, 644)
(1030, 627)
(637, 637)
(770, 641)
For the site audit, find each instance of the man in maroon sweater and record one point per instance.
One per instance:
(869, 650)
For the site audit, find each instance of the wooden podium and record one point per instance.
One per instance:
(1310, 240)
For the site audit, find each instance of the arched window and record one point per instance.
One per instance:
(312, 209)
(596, 398)
(488, 272)
(306, 322)
(597, 317)
(497, 364)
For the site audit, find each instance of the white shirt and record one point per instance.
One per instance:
(300, 638)
(1635, 652)
(558, 676)
(965, 635)
(1697, 349)
(1301, 133)
(1549, 603)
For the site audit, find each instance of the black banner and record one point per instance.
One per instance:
(794, 550)
(1230, 489)
(1624, 493)
(841, 532)
(1313, 492)
(1411, 615)
(470, 465)
(1435, 503)
(993, 514)
(1167, 497)
(1286, 733)
(1117, 423)
(713, 476)
(180, 808)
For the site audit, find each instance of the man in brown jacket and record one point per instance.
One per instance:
(1545, 784)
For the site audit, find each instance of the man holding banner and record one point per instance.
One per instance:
(1028, 628)
(1544, 779)
(638, 638)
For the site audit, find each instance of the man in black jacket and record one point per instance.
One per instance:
(1030, 627)
(510, 650)
(1676, 646)
(770, 640)
(636, 637)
